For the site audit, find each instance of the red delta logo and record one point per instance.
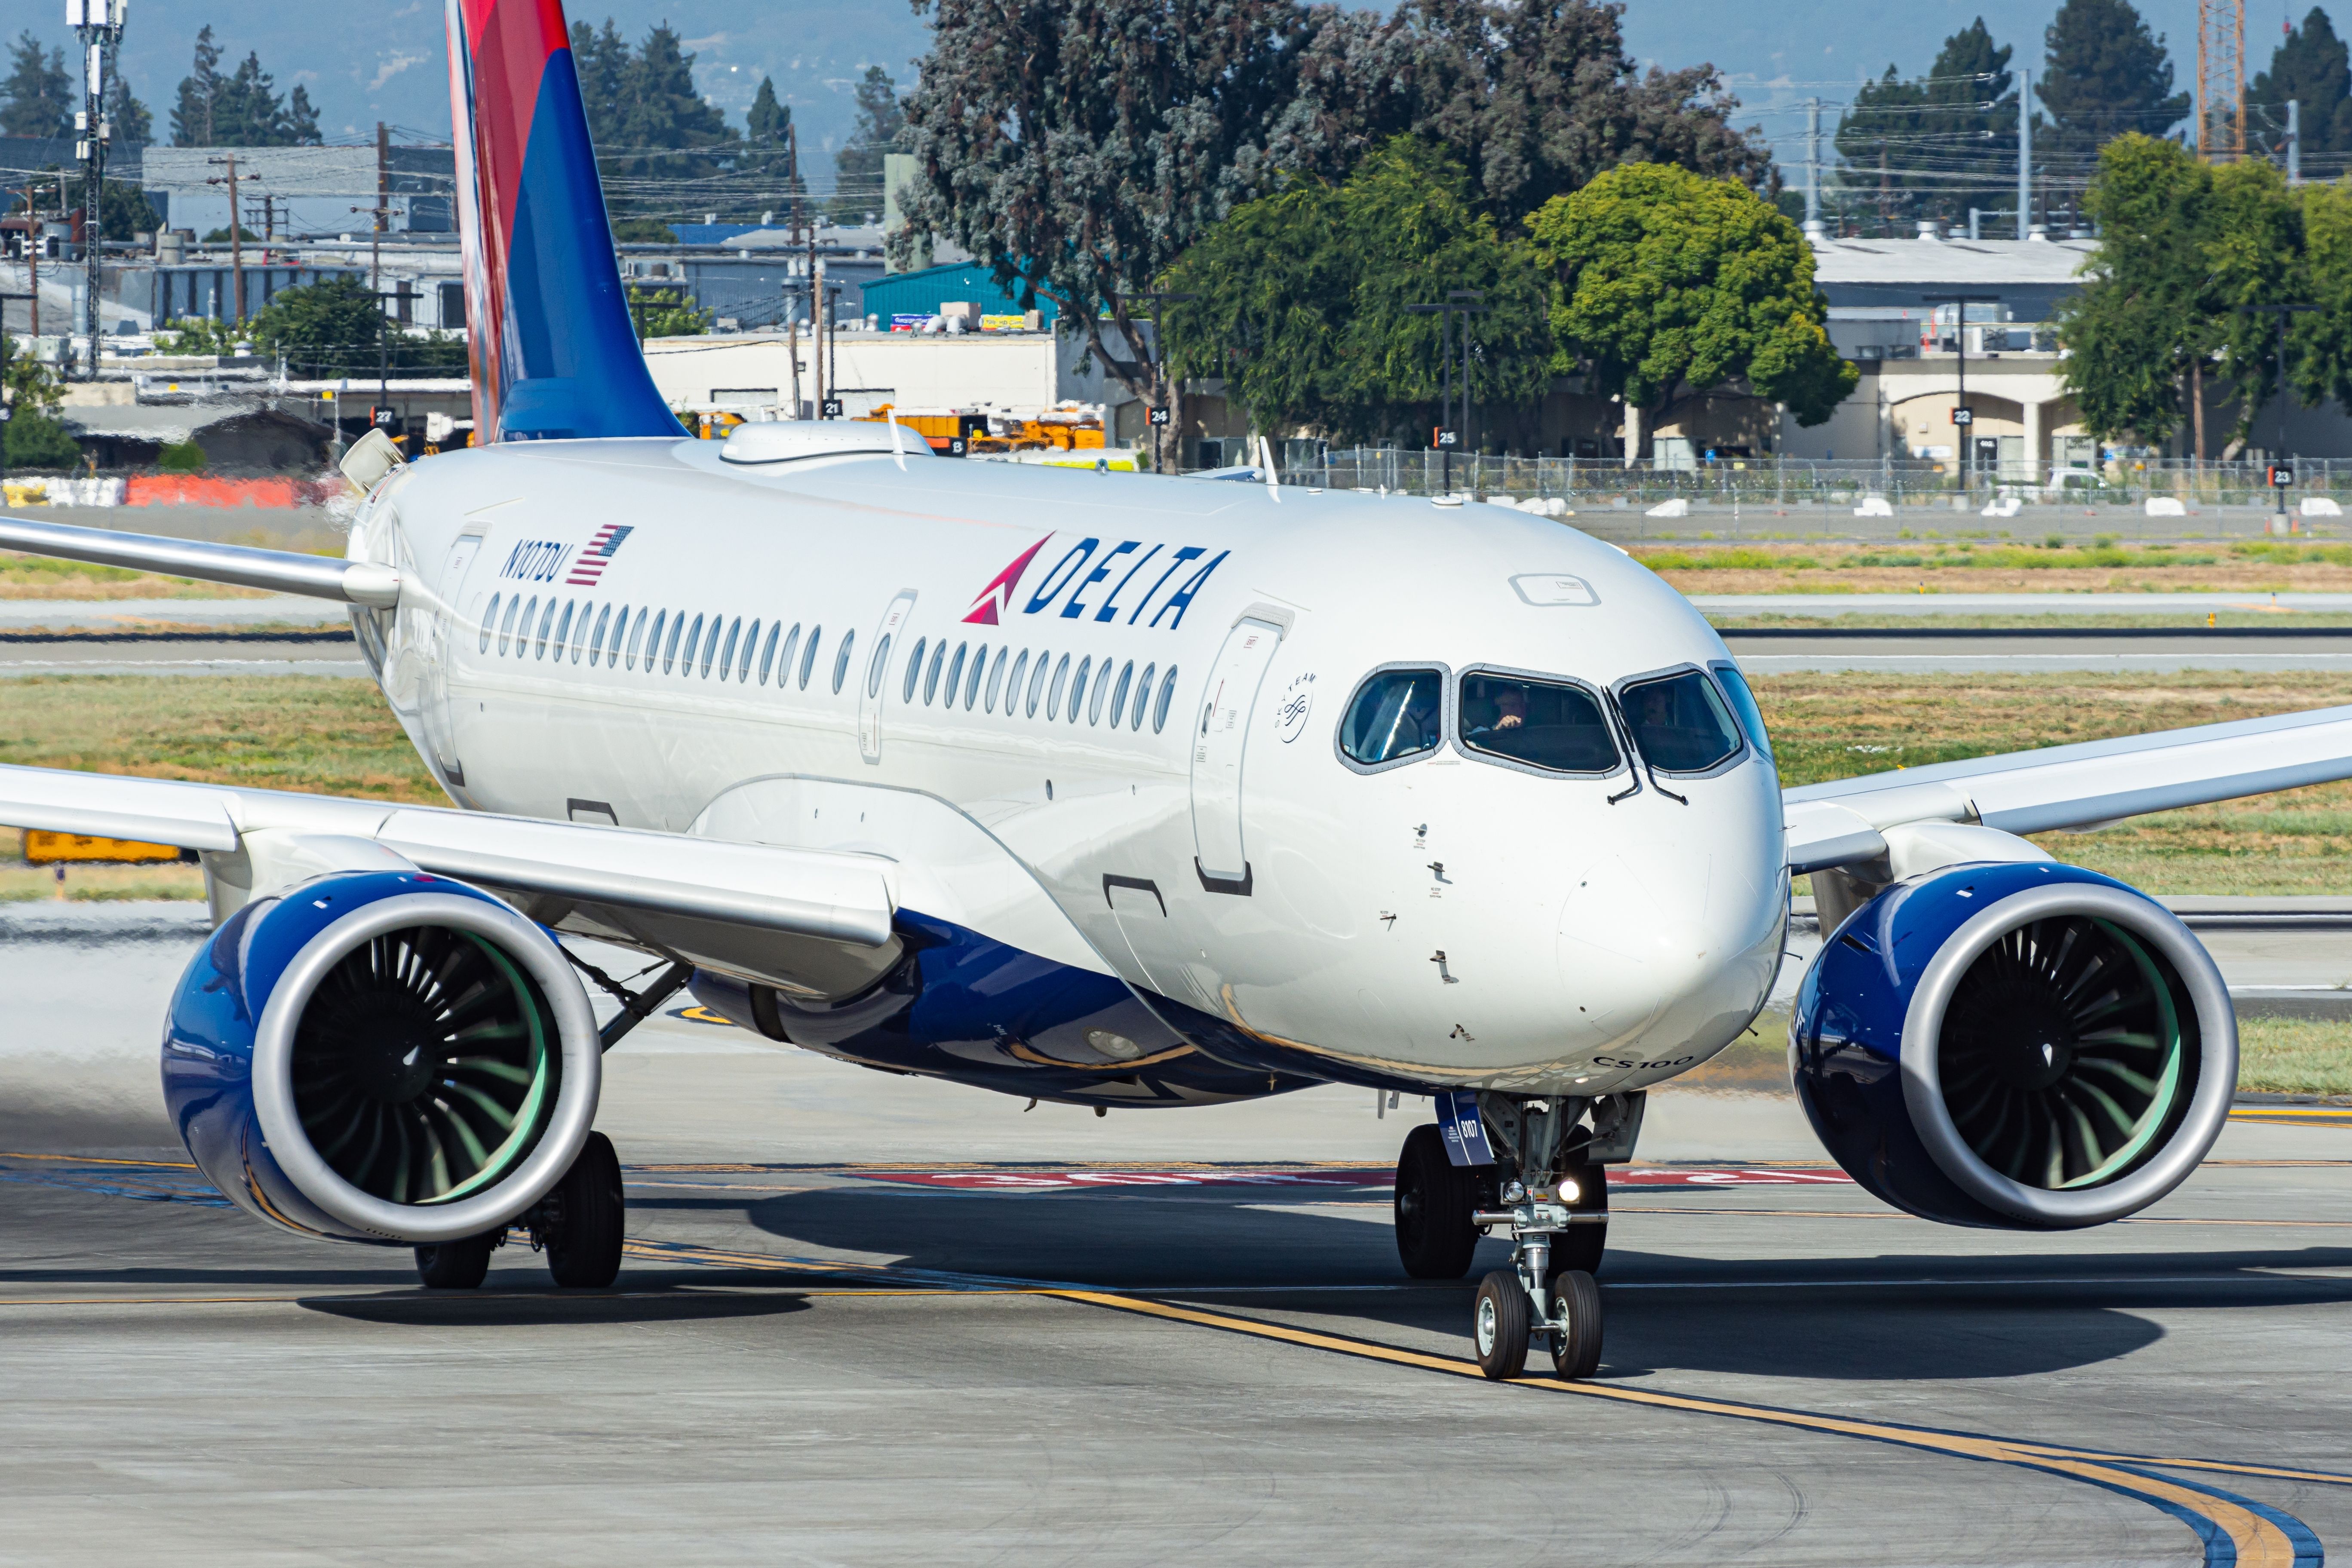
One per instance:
(1073, 583)
(995, 601)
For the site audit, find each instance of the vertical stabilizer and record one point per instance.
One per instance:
(554, 356)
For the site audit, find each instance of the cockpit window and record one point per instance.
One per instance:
(1396, 714)
(1680, 723)
(1542, 723)
(1743, 703)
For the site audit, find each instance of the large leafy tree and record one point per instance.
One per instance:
(34, 438)
(857, 166)
(1305, 295)
(2106, 76)
(2310, 67)
(1936, 145)
(2182, 244)
(38, 98)
(338, 328)
(1667, 285)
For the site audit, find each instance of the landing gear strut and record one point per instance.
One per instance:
(1550, 1190)
(579, 1225)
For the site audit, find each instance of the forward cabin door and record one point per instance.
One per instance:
(449, 625)
(1219, 735)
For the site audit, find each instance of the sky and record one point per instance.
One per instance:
(391, 67)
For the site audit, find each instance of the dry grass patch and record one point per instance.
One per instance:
(2005, 566)
(2294, 1056)
(101, 884)
(43, 577)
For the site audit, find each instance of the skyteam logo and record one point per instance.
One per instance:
(1091, 582)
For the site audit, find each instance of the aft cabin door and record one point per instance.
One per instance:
(1219, 735)
(873, 679)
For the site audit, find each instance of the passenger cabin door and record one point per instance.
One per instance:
(1219, 736)
(448, 627)
(877, 674)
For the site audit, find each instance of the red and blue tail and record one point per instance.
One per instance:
(554, 356)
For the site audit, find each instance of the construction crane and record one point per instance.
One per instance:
(2220, 79)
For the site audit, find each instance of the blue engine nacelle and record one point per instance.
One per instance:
(2031, 1047)
(381, 1055)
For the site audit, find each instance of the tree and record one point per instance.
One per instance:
(1667, 285)
(200, 90)
(771, 152)
(2311, 68)
(1304, 297)
(34, 438)
(134, 125)
(2106, 76)
(667, 314)
(38, 98)
(655, 135)
(857, 166)
(338, 328)
(2182, 245)
(1937, 146)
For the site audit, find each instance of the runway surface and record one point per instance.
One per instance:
(1989, 653)
(867, 1318)
(2012, 604)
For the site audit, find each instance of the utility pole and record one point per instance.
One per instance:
(822, 339)
(1813, 168)
(1461, 303)
(2293, 142)
(382, 207)
(1963, 417)
(236, 234)
(99, 23)
(2024, 155)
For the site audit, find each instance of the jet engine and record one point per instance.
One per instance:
(381, 1055)
(2026, 1047)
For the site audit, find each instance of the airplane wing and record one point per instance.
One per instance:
(281, 571)
(840, 897)
(2085, 785)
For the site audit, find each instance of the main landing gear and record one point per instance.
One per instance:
(579, 1225)
(1547, 1186)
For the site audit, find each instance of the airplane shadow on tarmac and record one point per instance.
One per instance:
(1900, 1316)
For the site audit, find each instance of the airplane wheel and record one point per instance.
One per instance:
(583, 1244)
(1499, 1329)
(457, 1265)
(1434, 1202)
(1576, 1350)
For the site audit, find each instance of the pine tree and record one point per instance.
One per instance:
(771, 156)
(857, 166)
(602, 60)
(301, 120)
(2310, 68)
(134, 125)
(2106, 74)
(40, 99)
(200, 90)
(1948, 140)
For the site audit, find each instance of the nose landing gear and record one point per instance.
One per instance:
(1531, 1298)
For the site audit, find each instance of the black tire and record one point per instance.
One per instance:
(1581, 1247)
(588, 1219)
(1500, 1326)
(1576, 1350)
(457, 1265)
(1435, 1198)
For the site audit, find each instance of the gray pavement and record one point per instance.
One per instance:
(1992, 653)
(867, 1318)
(2012, 604)
(127, 615)
(175, 657)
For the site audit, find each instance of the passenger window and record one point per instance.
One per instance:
(955, 673)
(1119, 696)
(1078, 688)
(1543, 723)
(563, 632)
(1680, 723)
(653, 643)
(1397, 714)
(971, 681)
(881, 662)
(669, 649)
(785, 660)
(604, 620)
(693, 638)
(546, 619)
(931, 681)
(636, 636)
(1743, 703)
(996, 680)
(768, 654)
(522, 632)
(808, 657)
(841, 661)
(507, 625)
(727, 654)
(1142, 696)
(1054, 697)
(751, 643)
(914, 671)
(579, 634)
(1167, 695)
(1037, 682)
(490, 617)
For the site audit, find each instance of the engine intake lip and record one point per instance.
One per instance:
(281, 1123)
(2208, 1107)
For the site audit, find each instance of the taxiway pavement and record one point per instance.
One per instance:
(868, 1318)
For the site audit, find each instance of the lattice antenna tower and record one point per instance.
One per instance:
(2220, 79)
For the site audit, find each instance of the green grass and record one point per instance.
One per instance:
(2294, 1056)
(2195, 620)
(22, 884)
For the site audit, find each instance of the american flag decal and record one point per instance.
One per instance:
(596, 554)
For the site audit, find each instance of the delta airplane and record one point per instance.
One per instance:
(1119, 790)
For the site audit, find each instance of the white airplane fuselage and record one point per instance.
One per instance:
(1183, 821)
